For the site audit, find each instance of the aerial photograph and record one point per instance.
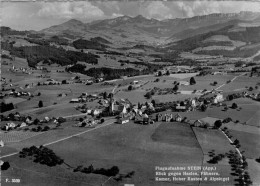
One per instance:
(130, 93)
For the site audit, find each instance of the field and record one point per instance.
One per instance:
(249, 143)
(129, 146)
(214, 140)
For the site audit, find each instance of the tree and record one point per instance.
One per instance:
(203, 108)
(251, 89)
(113, 171)
(105, 95)
(130, 87)
(230, 97)
(234, 106)
(153, 102)
(159, 73)
(36, 121)
(40, 104)
(175, 88)
(5, 166)
(148, 95)
(110, 95)
(168, 73)
(39, 94)
(192, 81)
(218, 124)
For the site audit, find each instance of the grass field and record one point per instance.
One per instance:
(215, 140)
(249, 143)
(129, 146)
(212, 140)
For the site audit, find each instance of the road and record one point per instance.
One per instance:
(107, 123)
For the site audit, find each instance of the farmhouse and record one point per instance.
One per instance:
(167, 117)
(177, 117)
(213, 98)
(198, 123)
(23, 124)
(218, 98)
(74, 100)
(2, 143)
(181, 108)
(186, 83)
(123, 120)
(10, 125)
(159, 117)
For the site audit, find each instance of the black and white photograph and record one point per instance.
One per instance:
(130, 93)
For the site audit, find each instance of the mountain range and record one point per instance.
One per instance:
(126, 29)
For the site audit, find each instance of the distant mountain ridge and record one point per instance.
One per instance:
(144, 30)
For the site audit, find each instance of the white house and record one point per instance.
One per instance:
(218, 98)
(177, 117)
(123, 120)
(23, 124)
(198, 123)
(74, 100)
(186, 83)
(2, 143)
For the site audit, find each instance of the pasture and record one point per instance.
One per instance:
(249, 143)
(129, 146)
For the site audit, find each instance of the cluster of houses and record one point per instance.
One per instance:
(51, 82)
(85, 97)
(168, 117)
(11, 125)
(213, 97)
(87, 122)
(27, 121)
(21, 69)
(18, 93)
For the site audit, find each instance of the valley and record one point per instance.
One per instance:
(106, 102)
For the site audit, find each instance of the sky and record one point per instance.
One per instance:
(39, 15)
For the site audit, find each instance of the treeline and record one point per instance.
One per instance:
(35, 54)
(107, 73)
(86, 44)
(6, 107)
(35, 35)
(8, 31)
(111, 73)
(54, 39)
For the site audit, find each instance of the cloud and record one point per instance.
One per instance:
(158, 10)
(68, 10)
(194, 8)
(117, 15)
